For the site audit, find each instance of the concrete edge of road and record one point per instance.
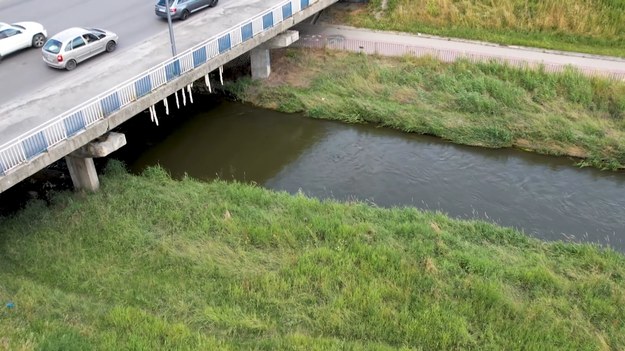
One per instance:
(477, 42)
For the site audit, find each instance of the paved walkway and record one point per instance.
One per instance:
(394, 44)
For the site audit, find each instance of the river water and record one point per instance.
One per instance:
(546, 197)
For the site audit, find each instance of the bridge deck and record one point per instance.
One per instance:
(128, 82)
(99, 74)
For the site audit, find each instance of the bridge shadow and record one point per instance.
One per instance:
(218, 138)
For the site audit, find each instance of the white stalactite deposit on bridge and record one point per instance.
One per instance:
(166, 106)
(190, 92)
(207, 81)
(153, 116)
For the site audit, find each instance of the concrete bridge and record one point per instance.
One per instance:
(69, 118)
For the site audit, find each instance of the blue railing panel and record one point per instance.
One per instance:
(110, 104)
(305, 4)
(74, 123)
(247, 32)
(2, 168)
(199, 56)
(224, 43)
(172, 70)
(34, 145)
(268, 21)
(143, 86)
(287, 11)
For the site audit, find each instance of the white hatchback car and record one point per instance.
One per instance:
(21, 35)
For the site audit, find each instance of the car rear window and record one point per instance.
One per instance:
(162, 2)
(53, 46)
(97, 32)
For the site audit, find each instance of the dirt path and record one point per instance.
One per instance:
(449, 49)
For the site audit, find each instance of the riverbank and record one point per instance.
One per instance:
(150, 262)
(570, 25)
(485, 104)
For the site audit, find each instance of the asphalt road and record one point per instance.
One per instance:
(133, 20)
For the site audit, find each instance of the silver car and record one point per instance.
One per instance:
(72, 46)
(181, 9)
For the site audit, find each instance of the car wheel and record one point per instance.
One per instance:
(184, 15)
(214, 3)
(38, 40)
(70, 65)
(111, 46)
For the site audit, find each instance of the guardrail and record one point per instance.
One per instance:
(38, 140)
(337, 42)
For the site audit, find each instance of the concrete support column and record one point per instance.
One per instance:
(80, 162)
(260, 56)
(83, 173)
(261, 62)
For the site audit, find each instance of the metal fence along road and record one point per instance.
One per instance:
(38, 140)
(337, 42)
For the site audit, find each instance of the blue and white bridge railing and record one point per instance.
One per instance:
(38, 140)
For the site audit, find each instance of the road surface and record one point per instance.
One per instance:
(133, 20)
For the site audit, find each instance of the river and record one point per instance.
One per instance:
(546, 197)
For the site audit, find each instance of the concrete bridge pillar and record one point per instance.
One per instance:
(83, 173)
(80, 162)
(260, 56)
(261, 62)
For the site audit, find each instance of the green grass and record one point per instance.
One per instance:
(485, 104)
(149, 263)
(596, 27)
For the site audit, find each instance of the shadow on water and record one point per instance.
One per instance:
(547, 197)
(230, 142)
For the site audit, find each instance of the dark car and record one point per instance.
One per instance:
(181, 9)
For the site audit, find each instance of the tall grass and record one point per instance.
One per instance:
(150, 263)
(576, 25)
(484, 104)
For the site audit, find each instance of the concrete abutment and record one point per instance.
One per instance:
(260, 57)
(80, 162)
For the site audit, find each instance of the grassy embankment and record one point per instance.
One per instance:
(589, 26)
(151, 263)
(485, 104)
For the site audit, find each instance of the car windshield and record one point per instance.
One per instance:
(53, 46)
